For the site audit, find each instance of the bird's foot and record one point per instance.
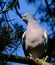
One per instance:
(30, 56)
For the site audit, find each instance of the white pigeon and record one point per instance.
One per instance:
(34, 39)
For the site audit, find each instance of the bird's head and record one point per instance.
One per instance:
(28, 18)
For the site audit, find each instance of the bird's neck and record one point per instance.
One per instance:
(31, 21)
(31, 24)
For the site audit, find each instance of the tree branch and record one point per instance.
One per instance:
(49, 11)
(24, 60)
(9, 7)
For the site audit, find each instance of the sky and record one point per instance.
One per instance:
(26, 8)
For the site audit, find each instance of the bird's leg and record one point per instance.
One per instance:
(30, 55)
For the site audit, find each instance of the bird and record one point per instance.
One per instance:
(34, 39)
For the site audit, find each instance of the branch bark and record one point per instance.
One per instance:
(24, 60)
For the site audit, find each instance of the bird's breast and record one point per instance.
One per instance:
(34, 35)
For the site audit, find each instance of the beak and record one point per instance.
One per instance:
(23, 18)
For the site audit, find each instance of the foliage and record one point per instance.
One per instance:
(8, 36)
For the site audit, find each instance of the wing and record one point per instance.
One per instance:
(45, 36)
(24, 45)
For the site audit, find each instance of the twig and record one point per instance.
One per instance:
(9, 7)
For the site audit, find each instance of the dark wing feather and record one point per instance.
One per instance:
(23, 44)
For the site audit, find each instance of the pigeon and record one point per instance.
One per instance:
(35, 38)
